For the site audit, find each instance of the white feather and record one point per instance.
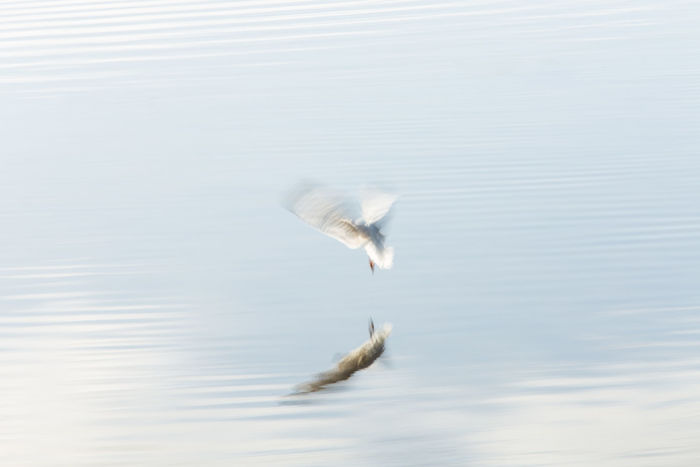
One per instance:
(382, 257)
(329, 213)
(326, 212)
(375, 205)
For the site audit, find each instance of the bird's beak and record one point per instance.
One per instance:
(371, 265)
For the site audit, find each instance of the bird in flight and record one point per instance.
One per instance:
(331, 214)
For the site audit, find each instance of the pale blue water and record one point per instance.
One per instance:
(157, 303)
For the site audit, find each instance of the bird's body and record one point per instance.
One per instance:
(330, 214)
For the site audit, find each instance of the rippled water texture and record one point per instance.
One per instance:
(158, 305)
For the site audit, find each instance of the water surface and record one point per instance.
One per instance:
(157, 304)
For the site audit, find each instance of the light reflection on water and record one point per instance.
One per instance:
(158, 306)
(94, 377)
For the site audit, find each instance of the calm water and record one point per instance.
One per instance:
(157, 304)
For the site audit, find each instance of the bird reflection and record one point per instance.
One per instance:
(330, 213)
(358, 359)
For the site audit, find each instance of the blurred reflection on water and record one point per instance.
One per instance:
(156, 303)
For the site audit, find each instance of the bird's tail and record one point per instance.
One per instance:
(388, 257)
(382, 257)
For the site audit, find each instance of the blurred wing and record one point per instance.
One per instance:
(375, 205)
(381, 256)
(327, 213)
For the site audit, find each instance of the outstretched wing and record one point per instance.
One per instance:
(375, 205)
(326, 212)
